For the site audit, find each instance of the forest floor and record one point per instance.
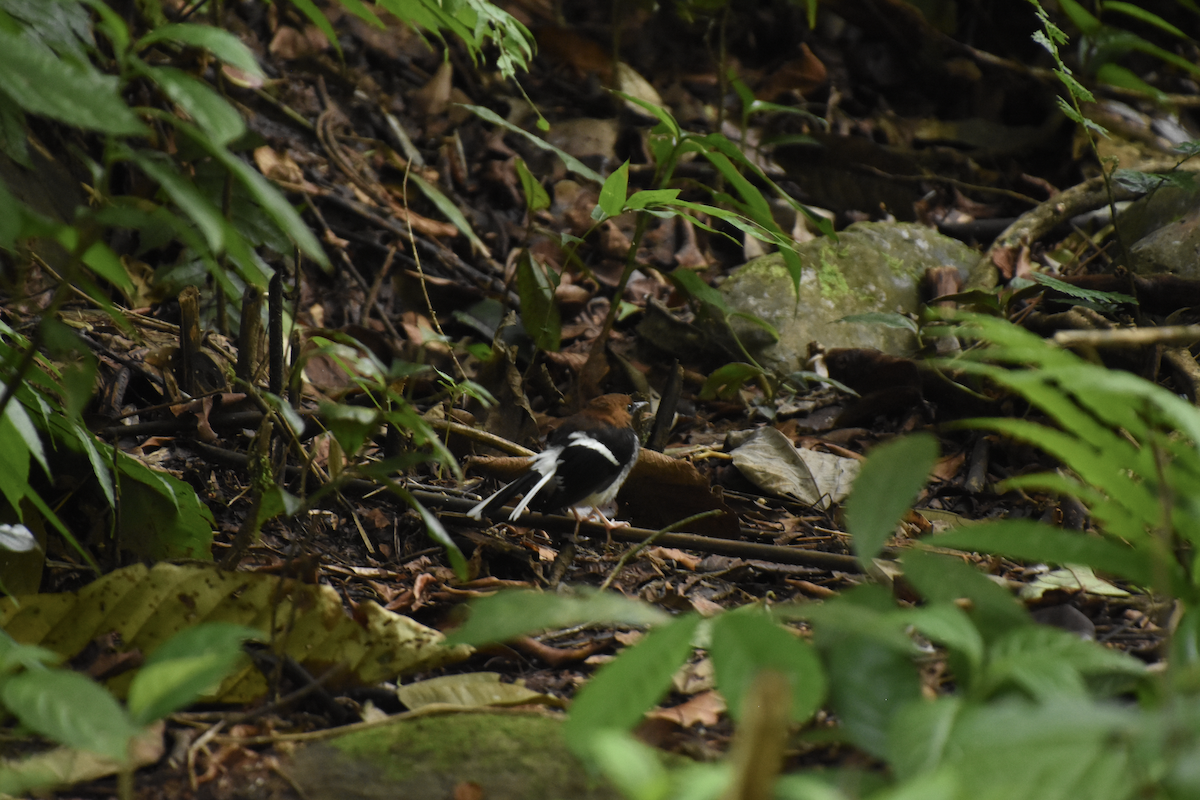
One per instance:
(873, 114)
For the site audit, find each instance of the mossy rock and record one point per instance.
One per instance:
(873, 267)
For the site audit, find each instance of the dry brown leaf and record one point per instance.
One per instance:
(703, 709)
(578, 52)
(290, 44)
(685, 560)
(949, 466)
(433, 98)
(662, 490)
(706, 607)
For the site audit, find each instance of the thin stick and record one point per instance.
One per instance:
(649, 540)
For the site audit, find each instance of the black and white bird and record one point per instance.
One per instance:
(586, 460)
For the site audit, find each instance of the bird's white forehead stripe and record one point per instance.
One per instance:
(582, 439)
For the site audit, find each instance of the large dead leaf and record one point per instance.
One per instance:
(471, 689)
(147, 606)
(65, 766)
(771, 462)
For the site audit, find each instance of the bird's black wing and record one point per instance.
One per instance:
(584, 470)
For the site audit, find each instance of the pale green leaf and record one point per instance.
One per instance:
(891, 478)
(80, 96)
(612, 193)
(572, 163)
(201, 102)
(71, 709)
(222, 44)
(626, 688)
(510, 614)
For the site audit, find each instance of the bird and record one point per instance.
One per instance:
(587, 458)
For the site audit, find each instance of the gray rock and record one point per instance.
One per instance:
(1173, 248)
(874, 267)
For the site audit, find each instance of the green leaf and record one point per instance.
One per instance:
(161, 517)
(920, 734)
(358, 9)
(13, 213)
(111, 25)
(474, 21)
(694, 285)
(317, 17)
(536, 196)
(1077, 89)
(15, 656)
(726, 381)
(632, 766)
(289, 415)
(1049, 662)
(612, 194)
(869, 683)
(13, 463)
(1190, 148)
(198, 100)
(64, 27)
(437, 532)
(405, 418)
(866, 611)
(1146, 182)
(1104, 391)
(450, 211)
(1184, 661)
(1066, 749)
(100, 469)
(267, 196)
(757, 321)
(104, 262)
(189, 665)
(942, 579)
(756, 206)
(572, 163)
(650, 197)
(1116, 75)
(658, 112)
(277, 502)
(746, 642)
(350, 425)
(182, 192)
(629, 685)
(1101, 466)
(18, 419)
(948, 625)
(222, 44)
(887, 486)
(71, 709)
(1027, 540)
(539, 311)
(1083, 19)
(78, 95)
(944, 784)
(1080, 293)
(506, 615)
(1140, 44)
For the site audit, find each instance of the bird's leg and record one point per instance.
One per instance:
(609, 525)
(578, 524)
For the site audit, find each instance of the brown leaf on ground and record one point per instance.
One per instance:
(662, 490)
(703, 709)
